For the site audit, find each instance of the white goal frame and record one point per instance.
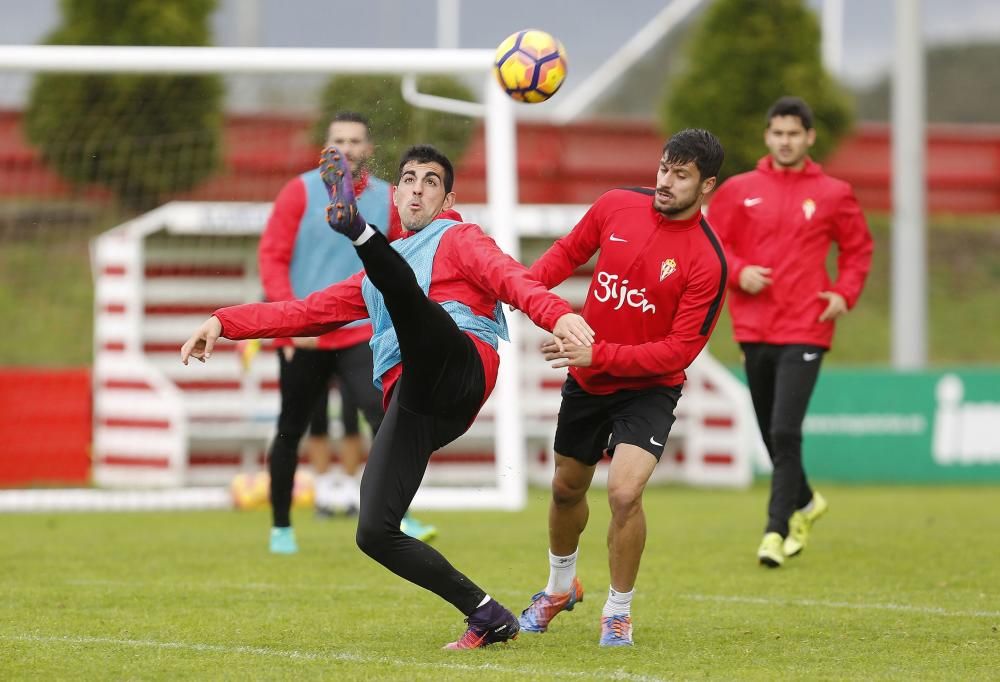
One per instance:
(510, 489)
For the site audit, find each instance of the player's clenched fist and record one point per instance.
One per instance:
(201, 343)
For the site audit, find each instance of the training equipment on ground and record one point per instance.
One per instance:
(253, 490)
(530, 65)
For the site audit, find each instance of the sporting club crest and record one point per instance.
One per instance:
(667, 268)
(808, 208)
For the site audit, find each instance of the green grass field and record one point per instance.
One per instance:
(899, 583)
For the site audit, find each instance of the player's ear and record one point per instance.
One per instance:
(708, 185)
(449, 201)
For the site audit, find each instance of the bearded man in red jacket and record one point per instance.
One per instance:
(657, 290)
(778, 223)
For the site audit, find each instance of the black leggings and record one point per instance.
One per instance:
(304, 380)
(438, 394)
(781, 380)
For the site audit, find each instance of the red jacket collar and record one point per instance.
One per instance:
(678, 225)
(811, 168)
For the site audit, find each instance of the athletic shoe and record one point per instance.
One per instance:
(801, 523)
(342, 213)
(544, 607)
(283, 541)
(323, 512)
(415, 529)
(489, 624)
(616, 630)
(770, 553)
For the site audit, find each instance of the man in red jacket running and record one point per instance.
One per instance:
(777, 223)
(434, 301)
(656, 294)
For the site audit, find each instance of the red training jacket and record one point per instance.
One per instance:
(468, 267)
(787, 220)
(655, 296)
(277, 244)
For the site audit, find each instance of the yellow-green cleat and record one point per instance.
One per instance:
(800, 524)
(770, 552)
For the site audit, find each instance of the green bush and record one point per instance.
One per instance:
(743, 56)
(395, 124)
(141, 136)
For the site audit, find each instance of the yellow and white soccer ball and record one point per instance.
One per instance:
(530, 65)
(253, 490)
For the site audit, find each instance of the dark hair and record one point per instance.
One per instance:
(700, 146)
(425, 153)
(346, 116)
(791, 106)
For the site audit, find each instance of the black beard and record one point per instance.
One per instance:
(674, 210)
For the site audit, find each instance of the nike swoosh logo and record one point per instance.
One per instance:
(617, 239)
(752, 201)
(653, 441)
(809, 357)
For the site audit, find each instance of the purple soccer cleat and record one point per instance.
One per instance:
(342, 213)
(491, 623)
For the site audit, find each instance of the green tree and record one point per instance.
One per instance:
(142, 136)
(743, 56)
(395, 124)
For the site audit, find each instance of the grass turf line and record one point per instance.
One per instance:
(898, 583)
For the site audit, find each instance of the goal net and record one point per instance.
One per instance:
(132, 254)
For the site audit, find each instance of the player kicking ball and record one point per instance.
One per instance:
(434, 299)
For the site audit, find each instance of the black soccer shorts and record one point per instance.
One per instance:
(590, 424)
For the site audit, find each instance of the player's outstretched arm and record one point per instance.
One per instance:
(201, 343)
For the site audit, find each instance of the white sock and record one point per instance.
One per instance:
(365, 236)
(618, 603)
(562, 570)
(351, 489)
(326, 486)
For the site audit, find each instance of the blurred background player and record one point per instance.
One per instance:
(656, 294)
(297, 256)
(778, 223)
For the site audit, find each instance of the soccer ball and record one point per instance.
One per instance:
(530, 65)
(253, 490)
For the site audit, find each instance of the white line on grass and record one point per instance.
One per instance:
(931, 610)
(217, 586)
(332, 656)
